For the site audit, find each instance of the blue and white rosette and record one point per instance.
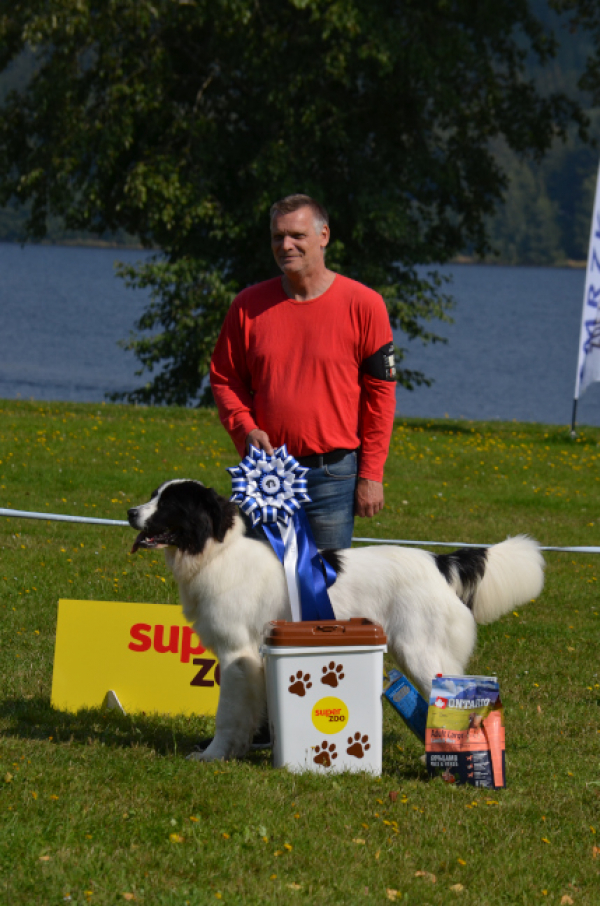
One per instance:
(271, 491)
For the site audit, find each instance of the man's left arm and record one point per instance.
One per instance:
(378, 405)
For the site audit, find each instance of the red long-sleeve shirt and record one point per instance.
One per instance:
(293, 369)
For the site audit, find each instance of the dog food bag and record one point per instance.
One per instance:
(464, 738)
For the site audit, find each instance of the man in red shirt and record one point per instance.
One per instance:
(306, 359)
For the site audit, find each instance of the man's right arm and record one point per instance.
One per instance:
(260, 440)
(231, 382)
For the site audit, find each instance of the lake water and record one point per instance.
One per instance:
(62, 312)
(511, 352)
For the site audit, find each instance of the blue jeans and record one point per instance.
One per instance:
(331, 510)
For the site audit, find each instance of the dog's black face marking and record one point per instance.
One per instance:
(186, 517)
(466, 563)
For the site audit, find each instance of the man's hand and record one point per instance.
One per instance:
(369, 497)
(260, 440)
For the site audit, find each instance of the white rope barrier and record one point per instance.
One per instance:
(574, 550)
(54, 517)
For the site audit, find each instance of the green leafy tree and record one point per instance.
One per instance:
(582, 18)
(180, 121)
(525, 229)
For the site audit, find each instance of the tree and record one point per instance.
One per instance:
(582, 17)
(526, 227)
(180, 121)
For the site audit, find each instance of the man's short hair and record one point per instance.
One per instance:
(294, 202)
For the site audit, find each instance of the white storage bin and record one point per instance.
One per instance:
(324, 686)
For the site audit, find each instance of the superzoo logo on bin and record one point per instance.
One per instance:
(330, 715)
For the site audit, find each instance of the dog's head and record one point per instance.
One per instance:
(181, 514)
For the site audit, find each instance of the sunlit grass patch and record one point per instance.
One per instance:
(103, 808)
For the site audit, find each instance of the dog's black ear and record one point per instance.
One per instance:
(221, 512)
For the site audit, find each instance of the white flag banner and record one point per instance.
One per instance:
(588, 365)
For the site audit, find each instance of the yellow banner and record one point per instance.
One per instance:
(147, 654)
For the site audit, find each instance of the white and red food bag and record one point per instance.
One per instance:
(464, 738)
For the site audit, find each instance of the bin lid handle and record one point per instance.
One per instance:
(330, 628)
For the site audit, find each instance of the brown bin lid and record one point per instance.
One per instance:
(322, 633)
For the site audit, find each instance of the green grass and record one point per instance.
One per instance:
(103, 808)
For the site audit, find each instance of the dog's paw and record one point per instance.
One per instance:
(333, 675)
(197, 755)
(358, 745)
(212, 753)
(299, 684)
(325, 754)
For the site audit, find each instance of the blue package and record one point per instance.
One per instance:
(408, 702)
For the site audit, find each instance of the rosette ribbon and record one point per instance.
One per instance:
(271, 491)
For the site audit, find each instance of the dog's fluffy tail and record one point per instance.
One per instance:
(492, 581)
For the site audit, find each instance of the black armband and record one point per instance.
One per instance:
(381, 364)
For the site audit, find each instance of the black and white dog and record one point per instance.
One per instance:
(232, 584)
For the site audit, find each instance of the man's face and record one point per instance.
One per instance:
(296, 244)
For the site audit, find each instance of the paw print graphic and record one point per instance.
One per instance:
(300, 683)
(325, 754)
(358, 745)
(332, 675)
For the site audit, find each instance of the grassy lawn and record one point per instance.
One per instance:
(102, 808)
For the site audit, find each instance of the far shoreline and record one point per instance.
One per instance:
(460, 260)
